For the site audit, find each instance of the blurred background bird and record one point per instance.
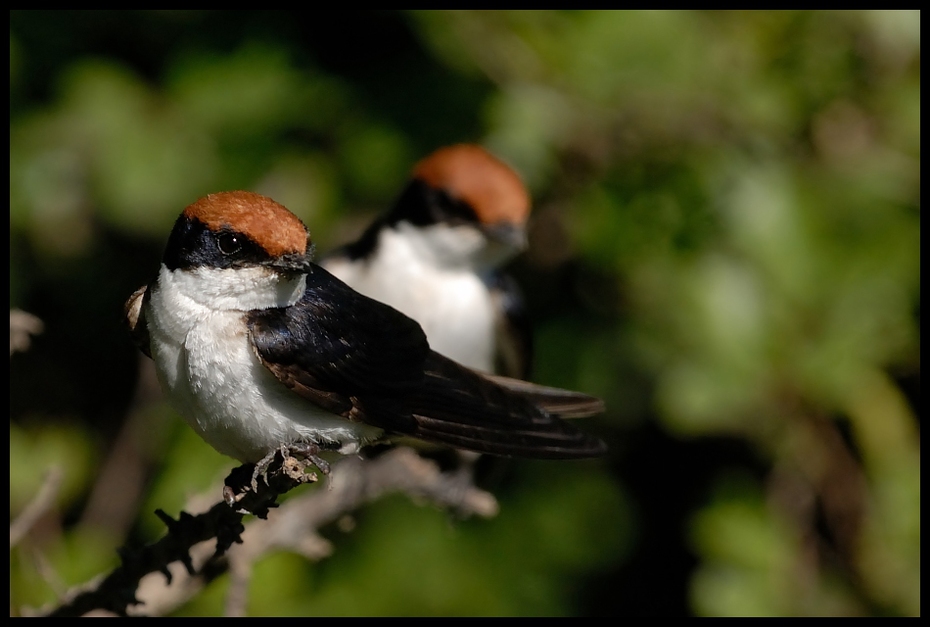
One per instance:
(437, 255)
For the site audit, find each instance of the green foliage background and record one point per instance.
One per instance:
(725, 247)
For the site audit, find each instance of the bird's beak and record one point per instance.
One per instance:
(291, 264)
(508, 233)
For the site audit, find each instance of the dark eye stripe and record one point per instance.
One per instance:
(192, 244)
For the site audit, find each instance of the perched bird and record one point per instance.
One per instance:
(436, 256)
(258, 347)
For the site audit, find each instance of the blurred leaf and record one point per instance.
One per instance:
(38, 447)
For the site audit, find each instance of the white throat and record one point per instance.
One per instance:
(233, 289)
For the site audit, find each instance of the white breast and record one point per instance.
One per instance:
(212, 377)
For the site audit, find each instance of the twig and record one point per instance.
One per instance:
(117, 491)
(40, 504)
(22, 326)
(352, 484)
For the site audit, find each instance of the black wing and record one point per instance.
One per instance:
(366, 361)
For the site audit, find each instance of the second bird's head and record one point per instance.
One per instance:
(464, 207)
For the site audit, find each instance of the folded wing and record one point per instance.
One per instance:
(368, 362)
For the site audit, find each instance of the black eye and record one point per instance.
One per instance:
(228, 243)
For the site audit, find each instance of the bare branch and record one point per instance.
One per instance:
(117, 591)
(146, 584)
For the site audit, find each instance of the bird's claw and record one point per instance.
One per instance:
(300, 451)
(261, 468)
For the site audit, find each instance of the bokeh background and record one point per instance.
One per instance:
(725, 246)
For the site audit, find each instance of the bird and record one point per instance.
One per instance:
(437, 255)
(258, 348)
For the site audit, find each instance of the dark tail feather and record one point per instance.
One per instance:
(556, 401)
(499, 415)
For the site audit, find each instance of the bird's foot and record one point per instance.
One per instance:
(243, 491)
(309, 452)
(295, 457)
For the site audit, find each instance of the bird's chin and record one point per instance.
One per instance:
(236, 289)
(445, 246)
